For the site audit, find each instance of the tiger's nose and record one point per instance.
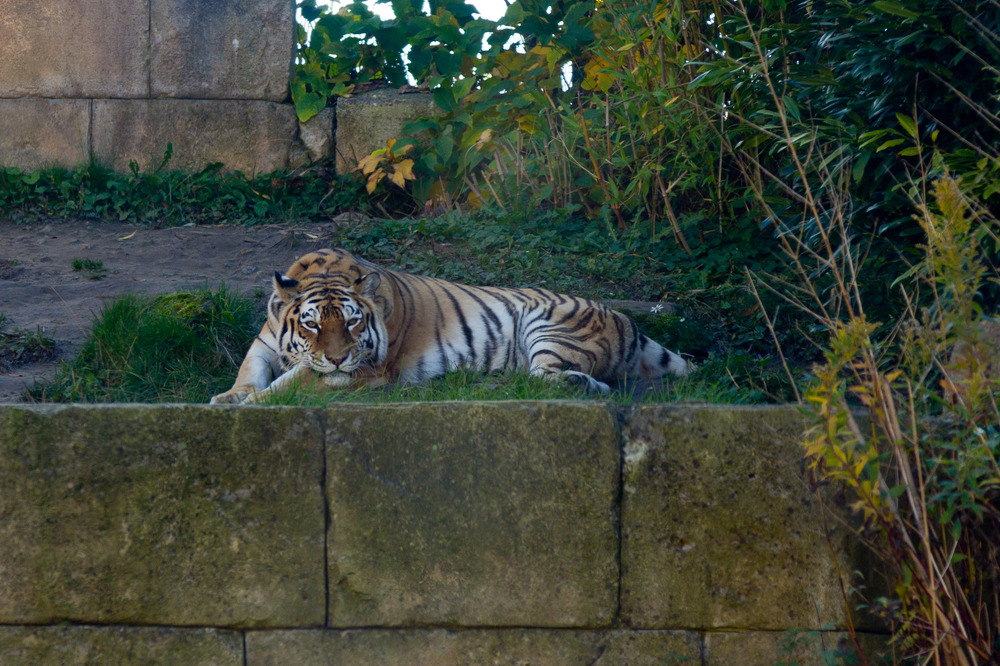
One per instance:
(338, 361)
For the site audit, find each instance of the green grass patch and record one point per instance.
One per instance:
(19, 347)
(701, 386)
(174, 348)
(458, 385)
(93, 269)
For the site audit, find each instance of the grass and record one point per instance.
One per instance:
(187, 347)
(702, 386)
(94, 270)
(174, 348)
(19, 347)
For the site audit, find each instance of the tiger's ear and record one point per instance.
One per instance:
(367, 285)
(285, 287)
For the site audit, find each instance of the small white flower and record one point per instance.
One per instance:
(656, 309)
(980, 432)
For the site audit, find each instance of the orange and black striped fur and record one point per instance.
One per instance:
(350, 322)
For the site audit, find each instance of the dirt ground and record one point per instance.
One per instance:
(40, 289)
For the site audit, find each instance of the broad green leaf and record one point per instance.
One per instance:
(889, 144)
(895, 8)
(463, 87)
(445, 99)
(308, 104)
(908, 124)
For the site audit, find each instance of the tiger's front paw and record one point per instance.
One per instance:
(234, 396)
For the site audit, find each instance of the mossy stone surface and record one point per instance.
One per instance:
(439, 647)
(367, 121)
(802, 648)
(162, 515)
(149, 646)
(473, 514)
(719, 526)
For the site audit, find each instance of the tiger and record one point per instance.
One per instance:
(341, 320)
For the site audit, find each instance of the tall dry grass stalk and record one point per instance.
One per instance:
(922, 467)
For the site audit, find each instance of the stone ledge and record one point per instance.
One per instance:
(161, 515)
(473, 514)
(719, 526)
(440, 514)
(440, 647)
(803, 648)
(141, 646)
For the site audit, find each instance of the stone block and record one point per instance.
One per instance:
(316, 135)
(240, 49)
(366, 121)
(472, 514)
(803, 648)
(79, 645)
(440, 647)
(39, 133)
(719, 527)
(252, 137)
(66, 48)
(161, 515)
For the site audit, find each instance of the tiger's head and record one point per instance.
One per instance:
(329, 323)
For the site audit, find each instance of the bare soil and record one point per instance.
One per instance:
(40, 290)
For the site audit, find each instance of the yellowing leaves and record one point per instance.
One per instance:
(387, 163)
(597, 75)
(402, 172)
(368, 164)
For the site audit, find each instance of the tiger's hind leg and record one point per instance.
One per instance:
(571, 378)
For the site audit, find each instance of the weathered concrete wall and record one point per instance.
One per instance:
(117, 80)
(450, 533)
(94, 79)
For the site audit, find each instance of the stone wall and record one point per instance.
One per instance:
(116, 81)
(119, 79)
(450, 533)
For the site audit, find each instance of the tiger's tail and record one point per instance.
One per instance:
(657, 361)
